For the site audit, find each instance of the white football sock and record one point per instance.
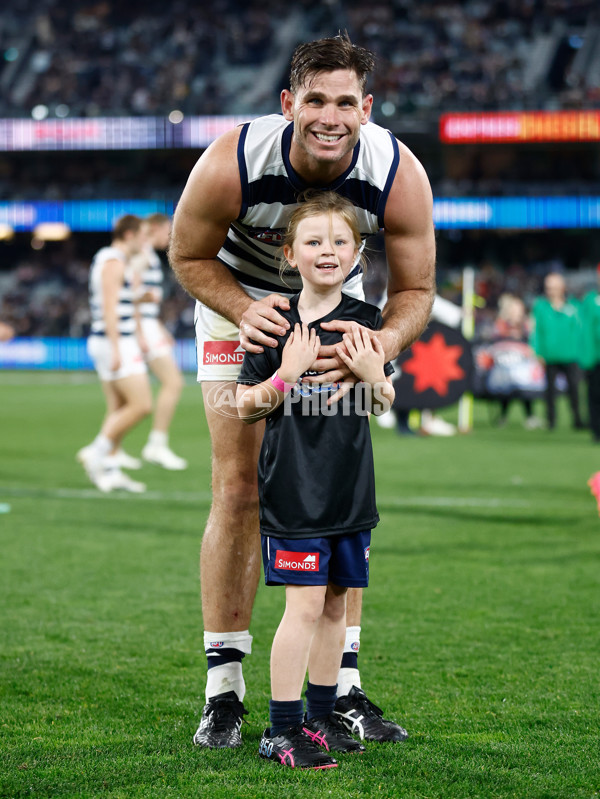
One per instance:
(158, 439)
(226, 676)
(347, 677)
(102, 445)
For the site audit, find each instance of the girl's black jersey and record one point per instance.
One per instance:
(315, 470)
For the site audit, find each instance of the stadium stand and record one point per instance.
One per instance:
(107, 58)
(227, 56)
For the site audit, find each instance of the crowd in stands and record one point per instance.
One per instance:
(106, 57)
(141, 57)
(470, 56)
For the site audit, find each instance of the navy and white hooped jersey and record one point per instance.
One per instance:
(270, 188)
(152, 279)
(126, 320)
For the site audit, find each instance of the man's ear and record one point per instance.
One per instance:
(367, 106)
(287, 105)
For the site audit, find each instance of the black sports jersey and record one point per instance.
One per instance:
(315, 470)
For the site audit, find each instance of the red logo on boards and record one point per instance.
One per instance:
(297, 561)
(221, 353)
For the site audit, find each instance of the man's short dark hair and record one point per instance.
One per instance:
(327, 55)
(124, 225)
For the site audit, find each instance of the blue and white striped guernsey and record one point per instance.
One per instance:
(125, 317)
(270, 188)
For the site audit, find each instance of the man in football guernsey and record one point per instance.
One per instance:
(117, 357)
(227, 230)
(316, 479)
(157, 343)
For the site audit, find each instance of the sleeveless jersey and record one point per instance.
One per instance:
(270, 188)
(125, 318)
(152, 279)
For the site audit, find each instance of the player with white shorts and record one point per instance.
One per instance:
(157, 342)
(117, 357)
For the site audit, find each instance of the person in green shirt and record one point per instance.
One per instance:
(557, 341)
(590, 355)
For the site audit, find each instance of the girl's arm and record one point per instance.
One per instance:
(383, 396)
(256, 402)
(366, 359)
(300, 351)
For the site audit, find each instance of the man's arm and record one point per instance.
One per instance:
(410, 250)
(210, 201)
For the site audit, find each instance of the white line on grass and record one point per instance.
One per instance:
(205, 496)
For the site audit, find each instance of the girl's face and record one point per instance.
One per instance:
(323, 250)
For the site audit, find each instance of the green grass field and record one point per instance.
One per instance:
(480, 631)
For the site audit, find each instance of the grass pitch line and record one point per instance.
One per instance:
(94, 493)
(206, 496)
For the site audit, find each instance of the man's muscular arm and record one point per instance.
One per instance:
(210, 201)
(410, 250)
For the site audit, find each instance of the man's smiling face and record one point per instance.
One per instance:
(327, 112)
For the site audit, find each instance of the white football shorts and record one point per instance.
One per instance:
(132, 360)
(220, 354)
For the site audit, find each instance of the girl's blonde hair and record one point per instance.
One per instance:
(315, 203)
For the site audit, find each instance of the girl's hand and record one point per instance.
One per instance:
(363, 355)
(299, 353)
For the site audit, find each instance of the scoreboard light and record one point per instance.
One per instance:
(112, 133)
(52, 231)
(520, 126)
(6, 232)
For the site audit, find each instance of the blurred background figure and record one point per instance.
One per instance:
(556, 341)
(513, 324)
(590, 354)
(157, 343)
(114, 348)
(6, 332)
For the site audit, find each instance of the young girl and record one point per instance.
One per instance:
(316, 478)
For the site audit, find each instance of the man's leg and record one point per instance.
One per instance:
(594, 401)
(551, 372)
(353, 708)
(136, 403)
(229, 566)
(171, 385)
(349, 674)
(572, 375)
(128, 402)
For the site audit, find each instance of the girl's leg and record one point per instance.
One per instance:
(328, 642)
(293, 639)
(289, 655)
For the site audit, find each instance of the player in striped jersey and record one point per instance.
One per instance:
(157, 343)
(228, 228)
(114, 349)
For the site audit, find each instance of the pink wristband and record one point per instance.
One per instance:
(280, 385)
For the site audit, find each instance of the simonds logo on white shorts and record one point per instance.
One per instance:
(297, 561)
